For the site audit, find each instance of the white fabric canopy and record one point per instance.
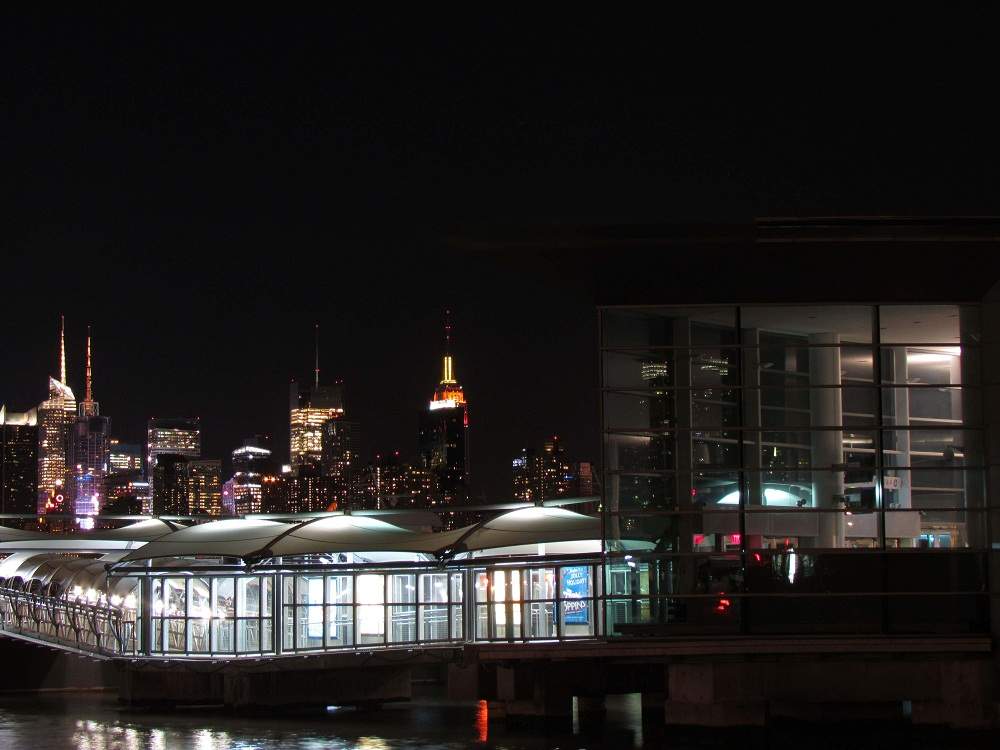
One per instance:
(236, 537)
(14, 535)
(350, 534)
(535, 525)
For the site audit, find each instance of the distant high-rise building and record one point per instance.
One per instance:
(254, 456)
(251, 462)
(169, 485)
(203, 481)
(526, 476)
(175, 436)
(124, 493)
(548, 474)
(18, 461)
(340, 439)
(309, 409)
(124, 458)
(306, 491)
(389, 482)
(55, 416)
(444, 432)
(88, 456)
(553, 470)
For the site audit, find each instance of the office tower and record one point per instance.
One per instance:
(525, 475)
(124, 458)
(389, 482)
(55, 416)
(18, 461)
(444, 432)
(339, 458)
(124, 493)
(306, 491)
(203, 490)
(251, 461)
(180, 436)
(254, 456)
(553, 470)
(169, 485)
(309, 409)
(88, 456)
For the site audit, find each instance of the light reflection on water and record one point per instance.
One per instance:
(96, 722)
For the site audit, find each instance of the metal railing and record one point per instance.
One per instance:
(93, 628)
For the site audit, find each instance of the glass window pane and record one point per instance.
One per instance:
(434, 587)
(635, 327)
(457, 586)
(434, 622)
(175, 597)
(817, 324)
(674, 532)
(786, 366)
(340, 626)
(248, 636)
(223, 604)
(657, 370)
(309, 589)
(947, 448)
(339, 589)
(268, 597)
(457, 623)
(371, 611)
(812, 528)
(266, 636)
(403, 588)
(931, 365)
(403, 623)
(175, 635)
(931, 324)
(222, 636)
(926, 406)
(309, 626)
(198, 635)
(933, 488)
(248, 596)
(199, 601)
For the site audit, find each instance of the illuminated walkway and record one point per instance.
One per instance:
(263, 588)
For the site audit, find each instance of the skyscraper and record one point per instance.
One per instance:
(18, 461)
(178, 436)
(88, 456)
(251, 462)
(309, 410)
(55, 417)
(125, 458)
(339, 459)
(203, 486)
(525, 473)
(169, 484)
(444, 432)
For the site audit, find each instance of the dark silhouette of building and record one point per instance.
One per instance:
(169, 485)
(18, 461)
(340, 439)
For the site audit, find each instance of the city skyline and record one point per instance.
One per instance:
(444, 395)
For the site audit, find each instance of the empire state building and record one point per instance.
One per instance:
(444, 432)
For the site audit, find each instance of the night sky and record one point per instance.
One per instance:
(202, 197)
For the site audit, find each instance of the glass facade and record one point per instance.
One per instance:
(798, 468)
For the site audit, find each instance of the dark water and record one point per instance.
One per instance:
(95, 722)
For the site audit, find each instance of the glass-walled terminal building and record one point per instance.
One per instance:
(798, 468)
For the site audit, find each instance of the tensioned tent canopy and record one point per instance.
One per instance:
(8, 534)
(259, 540)
(536, 525)
(98, 540)
(228, 538)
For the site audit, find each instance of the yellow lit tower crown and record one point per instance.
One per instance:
(449, 392)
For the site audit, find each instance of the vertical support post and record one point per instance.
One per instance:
(278, 614)
(145, 624)
(879, 471)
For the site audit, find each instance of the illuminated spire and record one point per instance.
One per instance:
(62, 349)
(448, 373)
(317, 355)
(88, 393)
